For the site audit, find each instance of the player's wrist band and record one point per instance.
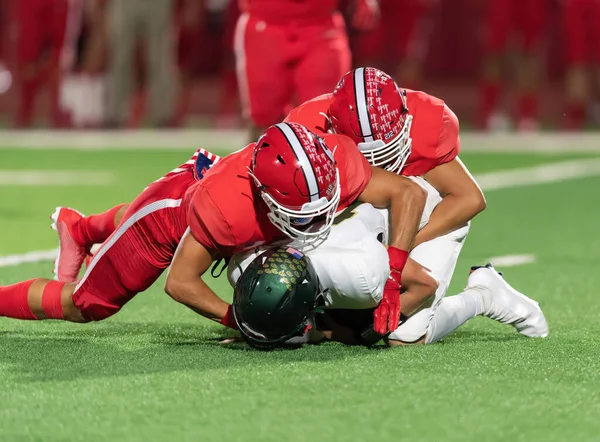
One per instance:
(228, 320)
(397, 257)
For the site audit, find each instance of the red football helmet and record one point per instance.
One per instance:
(298, 179)
(369, 107)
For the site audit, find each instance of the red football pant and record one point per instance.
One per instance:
(279, 62)
(138, 251)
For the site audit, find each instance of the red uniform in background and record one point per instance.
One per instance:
(222, 209)
(581, 24)
(287, 49)
(434, 129)
(524, 21)
(43, 27)
(403, 34)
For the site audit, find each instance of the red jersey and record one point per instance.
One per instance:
(226, 214)
(290, 11)
(434, 129)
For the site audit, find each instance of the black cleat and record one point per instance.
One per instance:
(488, 266)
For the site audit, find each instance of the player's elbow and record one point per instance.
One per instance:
(411, 191)
(176, 289)
(477, 202)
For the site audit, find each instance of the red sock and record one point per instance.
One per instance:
(51, 300)
(13, 301)
(490, 92)
(95, 229)
(527, 106)
(27, 92)
(575, 115)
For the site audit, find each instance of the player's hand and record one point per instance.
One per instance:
(387, 314)
(366, 15)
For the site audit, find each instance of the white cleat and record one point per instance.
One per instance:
(504, 304)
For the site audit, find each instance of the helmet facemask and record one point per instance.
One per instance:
(302, 225)
(392, 155)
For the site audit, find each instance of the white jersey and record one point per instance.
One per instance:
(352, 263)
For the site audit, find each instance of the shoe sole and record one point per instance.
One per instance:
(54, 226)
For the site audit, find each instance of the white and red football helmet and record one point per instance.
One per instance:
(369, 107)
(297, 177)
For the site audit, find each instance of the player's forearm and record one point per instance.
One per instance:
(406, 208)
(197, 296)
(452, 213)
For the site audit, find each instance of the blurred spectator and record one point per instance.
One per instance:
(229, 111)
(43, 26)
(521, 22)
(399, 44)
(288, 50)
(205, 48)
(153, 21)
(581, 19)
(5, 74)
(83, 88)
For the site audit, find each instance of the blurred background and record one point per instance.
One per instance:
(499, 64)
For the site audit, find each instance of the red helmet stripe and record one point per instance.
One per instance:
(360, 93)
(303, 160)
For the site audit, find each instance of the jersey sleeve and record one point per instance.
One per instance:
(312, 114)
(208, 225)
(449, 141)
(355, 170)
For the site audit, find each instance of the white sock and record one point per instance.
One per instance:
(453, 312)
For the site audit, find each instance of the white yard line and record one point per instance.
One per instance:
(511, 260)
(30, 257)
(546, 173)
(488, 181)
(55, 178)
(230, 140)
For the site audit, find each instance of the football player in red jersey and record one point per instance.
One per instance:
(287, 48)
(413, 134)
(287, 185)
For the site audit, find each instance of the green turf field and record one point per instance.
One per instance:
(156, 371)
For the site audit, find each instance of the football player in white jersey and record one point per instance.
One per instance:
(352, 266)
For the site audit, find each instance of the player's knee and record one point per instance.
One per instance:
(412, 331)
(86, 307)
(70, 311)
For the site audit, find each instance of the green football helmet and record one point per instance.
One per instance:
(275, 297)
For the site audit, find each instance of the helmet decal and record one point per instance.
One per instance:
(309, 158)
(370, 108)
(360, 92)
(309, 172)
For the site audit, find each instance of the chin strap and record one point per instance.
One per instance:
(216, 266)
